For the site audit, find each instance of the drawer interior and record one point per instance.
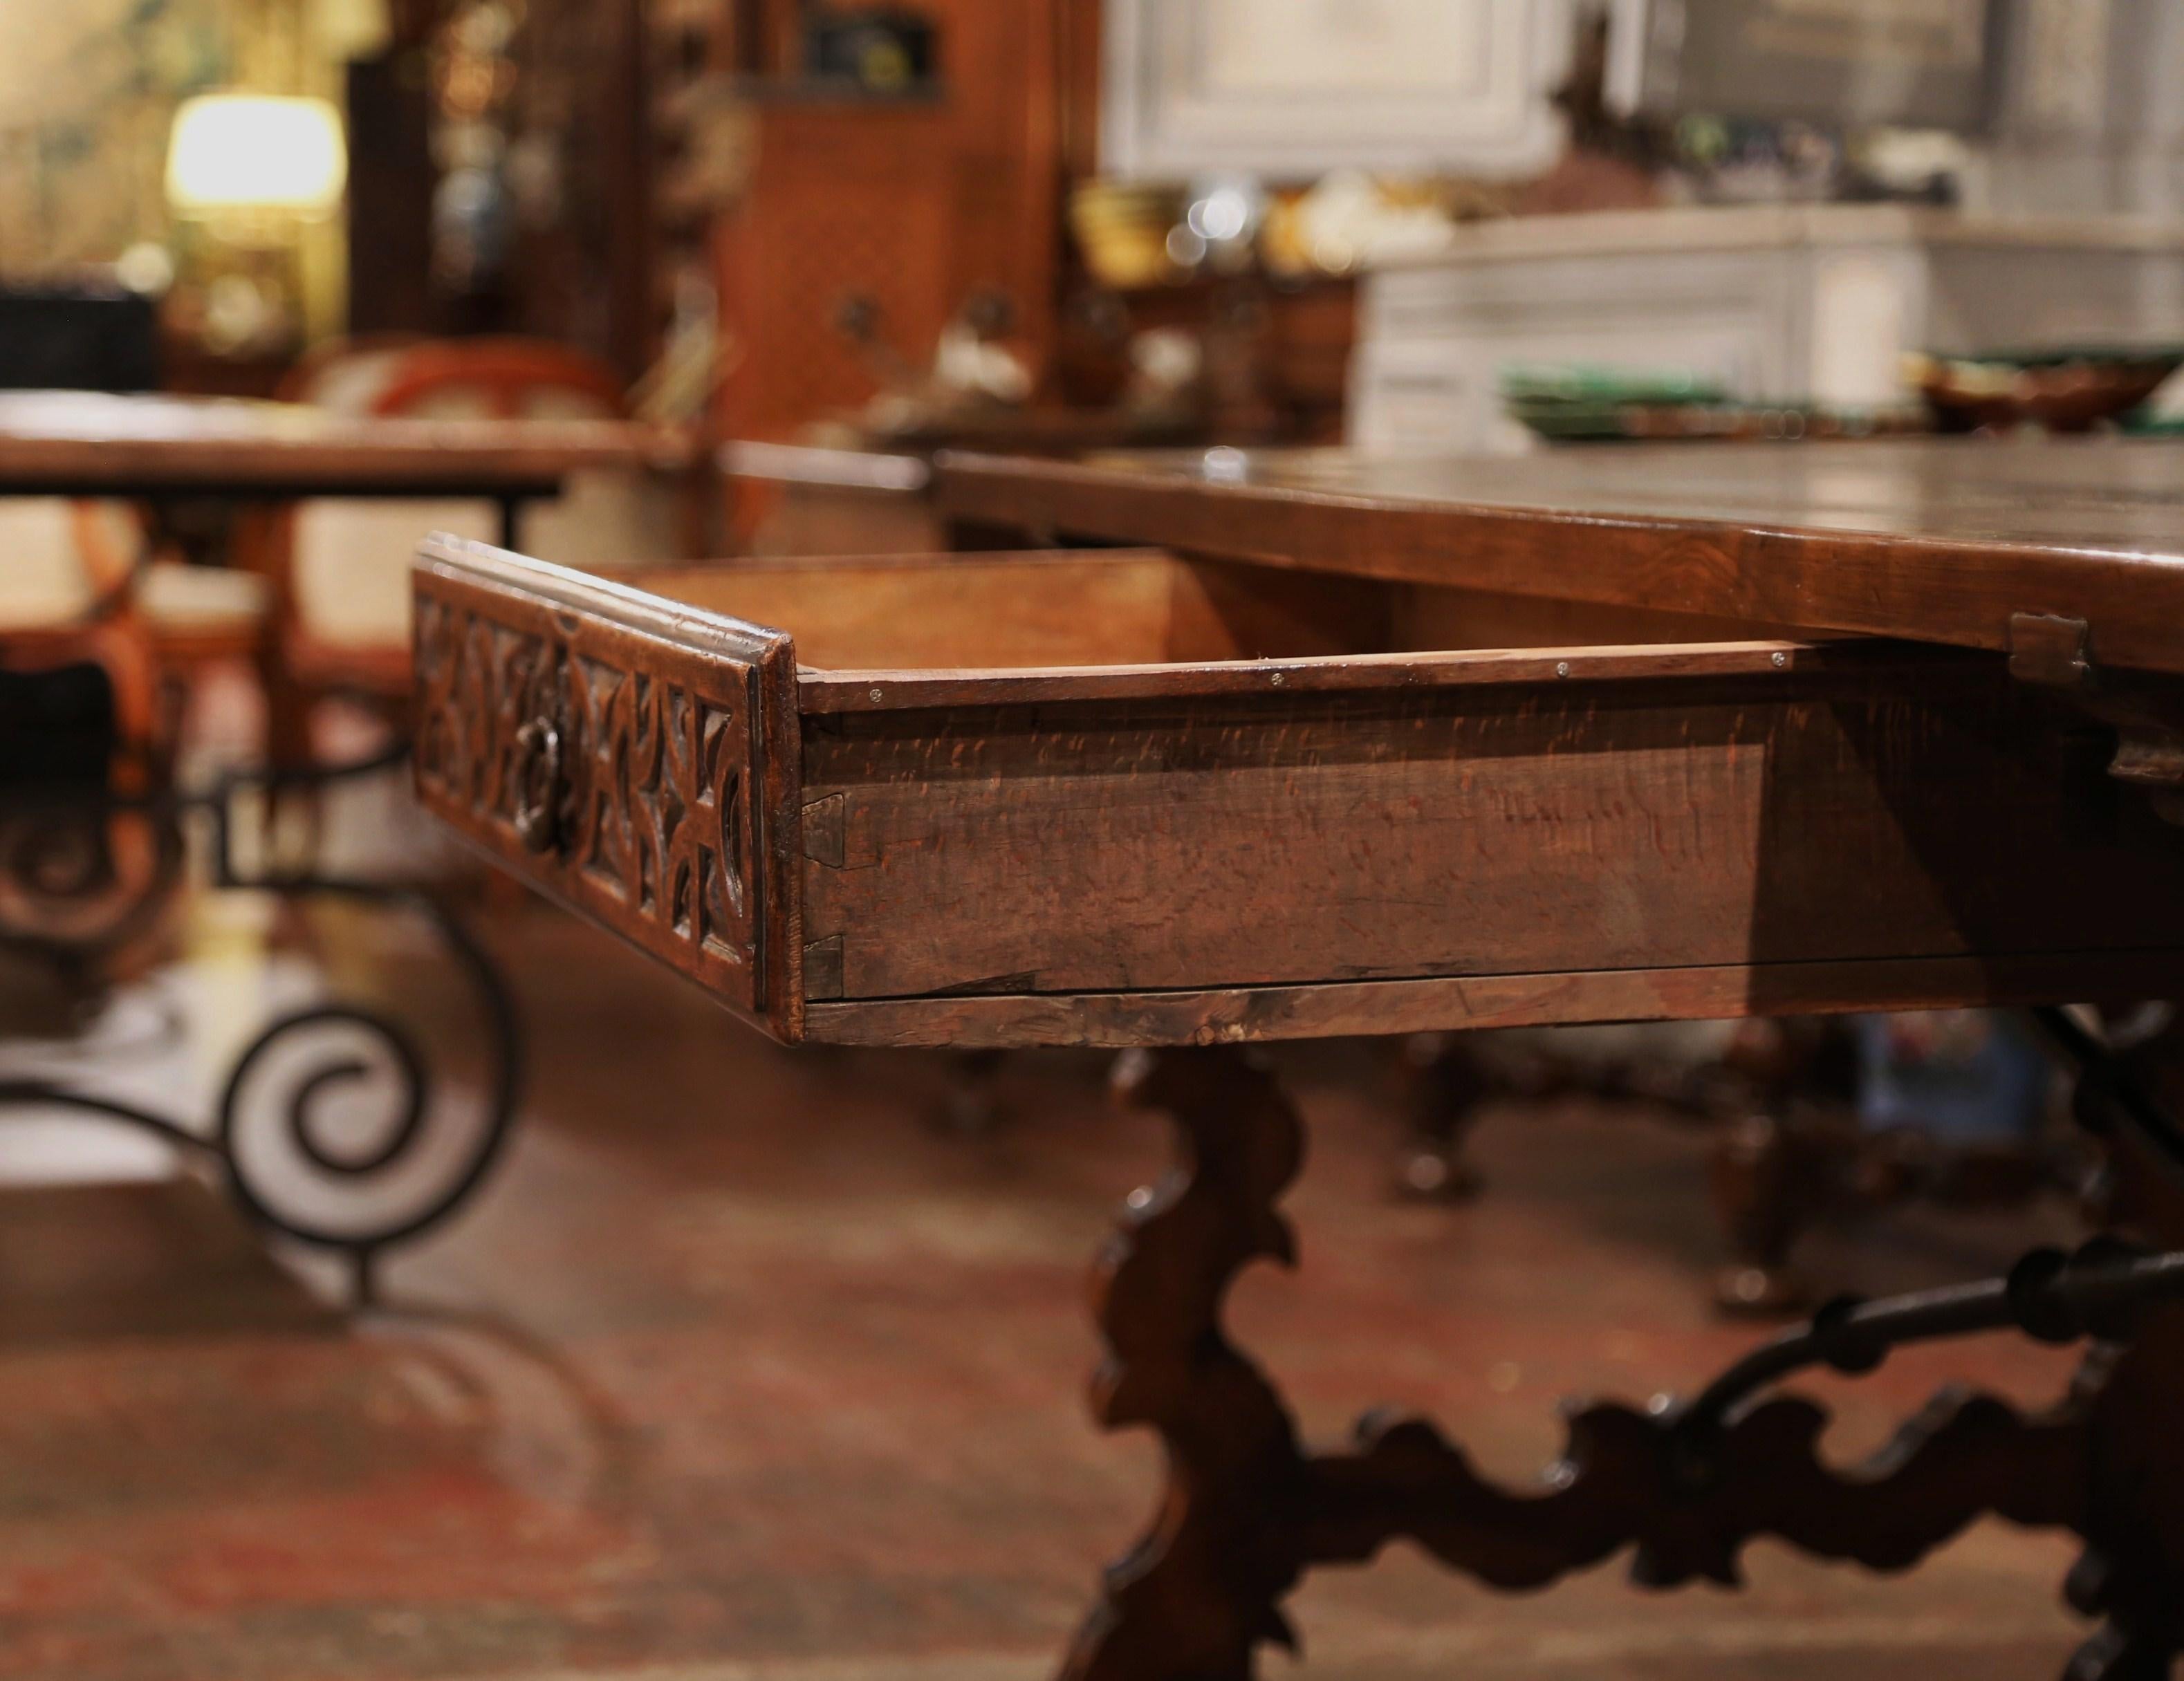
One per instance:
(1115, 607)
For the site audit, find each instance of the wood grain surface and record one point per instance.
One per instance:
(1040, 609)
(1654, 822)
(1933, 540)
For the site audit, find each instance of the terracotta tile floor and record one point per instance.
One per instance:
(741, 1371)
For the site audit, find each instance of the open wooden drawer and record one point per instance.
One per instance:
(1121, 798)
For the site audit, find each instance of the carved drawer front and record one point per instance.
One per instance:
(607, 748)
(1120, 797)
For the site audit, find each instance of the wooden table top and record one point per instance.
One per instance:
(89, 444)
(1931, 540)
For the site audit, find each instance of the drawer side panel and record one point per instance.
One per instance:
(1559, 828)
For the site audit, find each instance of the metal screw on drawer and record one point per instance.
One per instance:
(1562, 668)
(538, 784)
(1780, 660)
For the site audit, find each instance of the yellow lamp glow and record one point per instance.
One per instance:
(233, 152)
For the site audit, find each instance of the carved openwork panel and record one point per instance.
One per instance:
(608, 749)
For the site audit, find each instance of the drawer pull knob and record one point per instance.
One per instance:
(538, 784)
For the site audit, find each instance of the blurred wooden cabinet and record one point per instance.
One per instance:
(902, 210)
(848, 210)
(1276, 352)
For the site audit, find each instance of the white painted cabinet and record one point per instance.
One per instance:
(1802, 303)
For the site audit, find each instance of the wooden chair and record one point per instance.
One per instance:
(337, 568)
(77, 568)
(85, 864)
(511, 379)
(1780, 1095)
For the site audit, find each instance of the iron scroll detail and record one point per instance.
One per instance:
(269, 1142)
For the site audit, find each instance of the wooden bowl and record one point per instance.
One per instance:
(2062, 391)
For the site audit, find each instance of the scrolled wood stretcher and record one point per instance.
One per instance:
(1380, 758)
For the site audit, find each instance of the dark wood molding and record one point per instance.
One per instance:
(1259, 1015)
(1202, 1591)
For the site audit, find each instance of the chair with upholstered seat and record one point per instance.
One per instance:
(86, 746)
(340, 569)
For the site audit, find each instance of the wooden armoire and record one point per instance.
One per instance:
(885, 216)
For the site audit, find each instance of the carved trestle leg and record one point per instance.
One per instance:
(1247, 1510)
(1197, 1597)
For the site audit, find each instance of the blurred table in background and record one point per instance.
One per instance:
(91, 850)
(160, 449)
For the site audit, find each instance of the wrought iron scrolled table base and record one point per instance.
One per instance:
(351, 1043)
(1248, 1510)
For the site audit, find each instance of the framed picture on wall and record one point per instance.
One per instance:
(1917, 63)
(1292, 88)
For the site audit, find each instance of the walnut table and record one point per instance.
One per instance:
(160, 449)
(1375, 748)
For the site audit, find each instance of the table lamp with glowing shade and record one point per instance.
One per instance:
(256, 151)
(255, 172)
